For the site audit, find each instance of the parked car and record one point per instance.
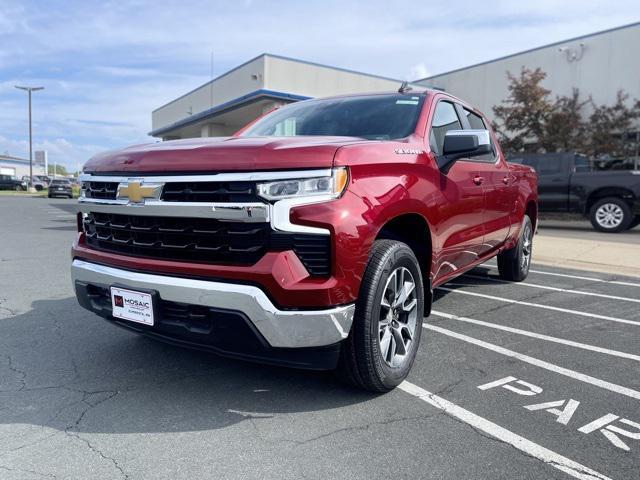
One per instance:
(312, 238)
(60, 187)
(40, 182)
(10, 182)
(610, 199)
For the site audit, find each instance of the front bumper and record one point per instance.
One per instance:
(280, 329)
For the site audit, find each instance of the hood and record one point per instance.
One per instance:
(222, 154)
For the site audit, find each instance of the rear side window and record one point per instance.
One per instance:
(444, 119)
(475, 121)
(581, 164)
(549, 166)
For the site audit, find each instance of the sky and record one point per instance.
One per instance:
(106, 65)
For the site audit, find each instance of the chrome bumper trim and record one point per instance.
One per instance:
(281, 328)
(226, 212)
(219, 177)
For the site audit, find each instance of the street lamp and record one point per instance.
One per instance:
(29, 90)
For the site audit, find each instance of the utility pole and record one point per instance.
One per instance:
(29, 90)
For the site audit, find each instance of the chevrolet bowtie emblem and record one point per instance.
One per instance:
(136, 192)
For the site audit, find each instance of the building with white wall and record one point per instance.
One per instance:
(220, 107)
(598, 65)
(19, 167)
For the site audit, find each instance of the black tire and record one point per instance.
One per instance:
(611, 214)
(39, 188)
(362, 363)
(514, 264)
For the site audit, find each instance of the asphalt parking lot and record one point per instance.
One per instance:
(531, 380)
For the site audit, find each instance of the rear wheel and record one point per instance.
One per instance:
(384, 338)
(514, 264)
(611, 214)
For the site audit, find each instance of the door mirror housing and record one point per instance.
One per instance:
(463, 144)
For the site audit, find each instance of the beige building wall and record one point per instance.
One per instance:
(272, 73)
(246, 78)
(599, 65)
(311, 80)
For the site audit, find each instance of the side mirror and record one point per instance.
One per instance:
(463, 144)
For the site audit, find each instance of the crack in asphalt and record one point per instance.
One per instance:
(21, 373)
(33, 472)
(366, 426)
(69, 429)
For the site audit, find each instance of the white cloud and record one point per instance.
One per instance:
(418, 71)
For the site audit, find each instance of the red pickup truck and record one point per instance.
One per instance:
(312, 238)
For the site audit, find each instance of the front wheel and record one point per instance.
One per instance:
(611, 214)
(384, 338)
(514, 264)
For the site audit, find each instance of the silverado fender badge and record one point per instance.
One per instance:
(408, 151)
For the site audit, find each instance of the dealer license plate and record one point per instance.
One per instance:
(132, 305)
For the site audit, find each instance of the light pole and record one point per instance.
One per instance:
(29, 90)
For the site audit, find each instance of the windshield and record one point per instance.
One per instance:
(374, 117)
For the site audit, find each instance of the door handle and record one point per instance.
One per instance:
(478, 180)
(505, 180)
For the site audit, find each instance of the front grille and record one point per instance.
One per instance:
(196, 239)
(210, 192)
(101, 190)
(202, 240)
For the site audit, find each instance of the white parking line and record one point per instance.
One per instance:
(592, 279)
(528, 447)
(538, 305)
(548, 338)
(557, 289)
(612, 387)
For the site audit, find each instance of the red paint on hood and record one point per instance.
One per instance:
(222, 154)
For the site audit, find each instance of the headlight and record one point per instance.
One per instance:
(332, 186)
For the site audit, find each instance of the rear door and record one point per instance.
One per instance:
(498, 188)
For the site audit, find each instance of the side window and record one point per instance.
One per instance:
(549, 166)
(444, 119)
(477, 123)
(581, 164)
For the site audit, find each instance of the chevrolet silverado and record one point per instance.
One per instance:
(312, 238)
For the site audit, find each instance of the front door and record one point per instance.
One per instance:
(459, 228)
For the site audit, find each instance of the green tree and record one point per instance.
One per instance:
(59, 170)
(522, 117)
(529, 120)
(609, 126)
(565, 129)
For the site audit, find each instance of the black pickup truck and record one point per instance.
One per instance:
(566, 183)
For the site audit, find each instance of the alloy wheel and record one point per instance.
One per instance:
(527, 244)
(398, 317)
(609, 215)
